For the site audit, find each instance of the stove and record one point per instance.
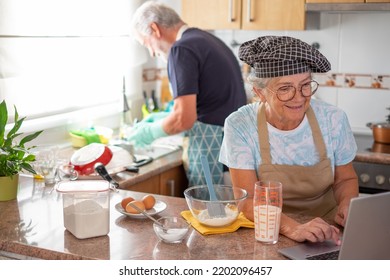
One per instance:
(373, 175)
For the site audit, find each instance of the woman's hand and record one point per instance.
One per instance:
(316, 230)
(341, 215)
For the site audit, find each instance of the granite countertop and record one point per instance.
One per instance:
(31, 227)
(371, 151)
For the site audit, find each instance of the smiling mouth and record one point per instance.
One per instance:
(296, 107)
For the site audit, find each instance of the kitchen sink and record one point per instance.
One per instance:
(159, 148)
(156, 151)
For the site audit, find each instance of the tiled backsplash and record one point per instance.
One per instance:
(356, 44)
(350, 80)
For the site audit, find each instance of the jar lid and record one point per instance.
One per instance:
(83, 186)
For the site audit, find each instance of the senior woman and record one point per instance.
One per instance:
(289, 137)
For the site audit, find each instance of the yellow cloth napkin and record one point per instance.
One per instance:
(241, 221)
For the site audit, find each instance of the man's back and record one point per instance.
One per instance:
(201, 63)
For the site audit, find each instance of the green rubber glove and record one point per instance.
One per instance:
(144, 133)
(153, 117)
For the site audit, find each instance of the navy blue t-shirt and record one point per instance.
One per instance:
(200, 63)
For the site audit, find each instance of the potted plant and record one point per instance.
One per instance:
(14, 156)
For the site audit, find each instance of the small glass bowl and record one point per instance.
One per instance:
(176, 229)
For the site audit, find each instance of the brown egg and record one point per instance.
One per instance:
(137, 203)
(149, 201)
(126, 201)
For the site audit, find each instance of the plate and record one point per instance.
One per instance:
(157, 208)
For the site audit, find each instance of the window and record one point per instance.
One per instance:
(63, 60)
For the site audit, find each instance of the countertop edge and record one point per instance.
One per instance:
(17, 250)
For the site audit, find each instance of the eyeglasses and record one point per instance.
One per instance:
(287, 93)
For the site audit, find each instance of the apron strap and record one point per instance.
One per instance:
(265, 151)
(317, 135)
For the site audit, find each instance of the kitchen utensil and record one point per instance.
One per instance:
(155, 104)
(197, 198)
(148, 216)
(149, 104)
(381, 131)
(215, 209)
(176, 229)
(102, 171)
(132, 169)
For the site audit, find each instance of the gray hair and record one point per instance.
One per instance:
(260, 83)
(257, 82)
(153, 11)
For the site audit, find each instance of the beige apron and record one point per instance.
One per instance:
(306, 189)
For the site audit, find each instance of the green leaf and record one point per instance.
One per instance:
(26, 166)
(30, 137)
(3, 120)
(16, 127)
(14, 156)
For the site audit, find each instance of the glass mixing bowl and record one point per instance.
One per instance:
(215, 213)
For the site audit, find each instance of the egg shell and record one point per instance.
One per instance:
(126, 201)
(131, 210)
(149, 201)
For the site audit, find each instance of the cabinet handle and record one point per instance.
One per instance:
(171, 187)
(231, 11)
(250, 19)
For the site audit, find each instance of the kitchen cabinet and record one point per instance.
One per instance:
(245, 14)
(335, 1)
(171, 182)
(151, 185)
(347, 1)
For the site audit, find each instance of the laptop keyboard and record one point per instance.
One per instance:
(325, 256)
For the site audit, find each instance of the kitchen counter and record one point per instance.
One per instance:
(31, 227)
(370, 151)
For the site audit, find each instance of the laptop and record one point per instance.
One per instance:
(366, 234)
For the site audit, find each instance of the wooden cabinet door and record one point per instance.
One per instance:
(212, 14)
(335, 1)
(273, 15)
(173, 182)
(151, 185)
(377, 1)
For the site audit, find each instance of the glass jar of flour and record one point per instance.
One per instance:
(86, 207)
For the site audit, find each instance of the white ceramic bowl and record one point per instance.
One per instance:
(176, 229)
(229, 199)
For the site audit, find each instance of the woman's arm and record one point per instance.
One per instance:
(345, 187)
(245, 179)
(316, 230)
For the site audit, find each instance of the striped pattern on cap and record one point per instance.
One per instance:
(275, 56)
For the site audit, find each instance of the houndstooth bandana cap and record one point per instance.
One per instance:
(275, 56)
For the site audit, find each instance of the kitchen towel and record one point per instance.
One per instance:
(241, 221)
